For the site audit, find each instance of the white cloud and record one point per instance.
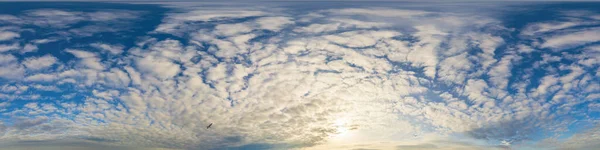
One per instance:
(319, 28)
(500, 73)
(425, 53)
(44, 41)
(335, 24)
(7, 35)
(454, 68)
(113, 49)
(359, 23)
(29, 48)
(54, 18)
(80, 53)
(46, 87)
(274, 23)
(93, 63)
(540, 28)
(40, 62)
(112, 15)
(360, 38)
(545, 84)
(572, 39)
(159, 67)
(41, 77)
(488, 44)
(176, 23)
(204, 15)
(583, 140)
(383, 12)
(63, 19)
(11, 19)
(9, 47)
(232, 29)
(475, 89)
(10, 67)
(88, 59)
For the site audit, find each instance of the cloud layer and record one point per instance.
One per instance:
(384, 78)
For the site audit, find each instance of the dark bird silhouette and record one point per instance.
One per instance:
(209, 126)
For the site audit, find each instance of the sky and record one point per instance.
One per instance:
(300, 75)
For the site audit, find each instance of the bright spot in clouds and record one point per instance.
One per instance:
(300, 75)
(341, 128)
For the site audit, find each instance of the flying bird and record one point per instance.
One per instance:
(209, 126)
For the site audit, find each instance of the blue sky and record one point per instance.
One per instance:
(300, 75)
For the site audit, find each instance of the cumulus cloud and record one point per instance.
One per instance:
(10, 67)
(113, 49)
(40, 62)
(9, 47)
(273, 23)
(6, 35)
(87, 59)
(232, 29)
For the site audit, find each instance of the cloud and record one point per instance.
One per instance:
(5, 35)
(160, 67)
(215, 15)
(80, 53)
(356, 39)
(273, 23)
(40, 62)
(113, 49)
(430, 143)
(319, 28)
(176, 23)
(9, 47)
(88, 59)
(583, 140)
(381, 78)
(10, 67)
(420, 146)
(232, 29)
(572, 39)
(383, 12)
(63, 19)
(311, 85)
(159, 62)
